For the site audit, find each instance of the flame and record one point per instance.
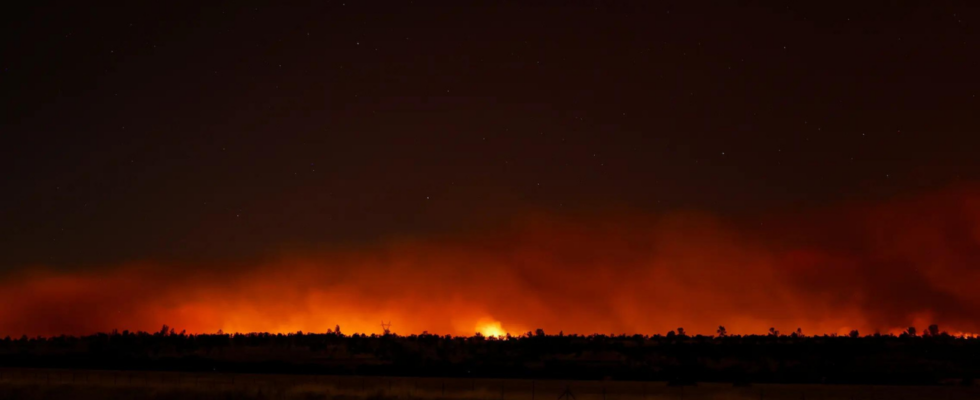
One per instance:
(491, 328)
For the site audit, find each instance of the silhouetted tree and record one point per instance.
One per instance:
(741, 358)
(910, 331)
(933, 330)
(539, 332)
(680, 332)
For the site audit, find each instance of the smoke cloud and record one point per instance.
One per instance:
(871, 267)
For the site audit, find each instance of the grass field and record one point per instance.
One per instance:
(85, 385)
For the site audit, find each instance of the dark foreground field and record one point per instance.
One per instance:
(870, 360)
(124, 385)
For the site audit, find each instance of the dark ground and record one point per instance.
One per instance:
(681, 360)
(36, 384)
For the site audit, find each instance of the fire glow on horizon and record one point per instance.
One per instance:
(491, 328)
(871, 268)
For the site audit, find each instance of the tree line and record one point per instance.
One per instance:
(930, 357)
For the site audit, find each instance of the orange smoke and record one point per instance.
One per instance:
(912, 261)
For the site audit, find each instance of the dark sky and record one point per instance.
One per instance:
(225, 132)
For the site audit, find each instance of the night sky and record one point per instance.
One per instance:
(205, 141)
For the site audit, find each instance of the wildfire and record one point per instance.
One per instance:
(874, 268)
(491, 328)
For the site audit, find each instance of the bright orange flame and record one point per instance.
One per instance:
(491, 328)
